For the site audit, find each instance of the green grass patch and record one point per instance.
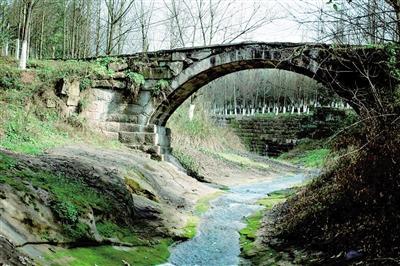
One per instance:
(308, 153)
(155, 254)
(26, 124)
(312, 158)
(27, 132)
(248, 234)
(201, 131)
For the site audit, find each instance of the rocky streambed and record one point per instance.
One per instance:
(217, 238)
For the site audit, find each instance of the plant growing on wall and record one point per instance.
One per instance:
(135, 78)
(159, 89)
(135, 82)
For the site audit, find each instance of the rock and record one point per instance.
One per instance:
(352, 254)
(10, 255)
(73, 100)
(117, 66)
(70, 87)
(119, 75)
(50, 103)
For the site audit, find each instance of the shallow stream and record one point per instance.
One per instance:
(217, 239)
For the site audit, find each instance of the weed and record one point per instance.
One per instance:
(85, 83)
(135, 78)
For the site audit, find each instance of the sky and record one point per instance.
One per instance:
(282, 23)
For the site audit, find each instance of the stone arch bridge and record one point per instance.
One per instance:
(134, 108)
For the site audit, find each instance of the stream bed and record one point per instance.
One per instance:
(217, 239)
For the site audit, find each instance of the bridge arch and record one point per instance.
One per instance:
(200, 73)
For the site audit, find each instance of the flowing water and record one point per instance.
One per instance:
(217, 239)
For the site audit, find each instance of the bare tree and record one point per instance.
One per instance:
(117, 11)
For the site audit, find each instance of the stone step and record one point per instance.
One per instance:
(126, 127)
(152, 149)
(144, 138)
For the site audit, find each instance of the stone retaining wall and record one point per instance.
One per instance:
(271, 135)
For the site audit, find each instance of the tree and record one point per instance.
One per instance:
(28, 7)
(116, 11)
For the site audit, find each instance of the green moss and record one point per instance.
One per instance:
(203, 204)
(107, 255)
(313, 158)
(253, 222)
(190, 229)
(111, 230)
(70, 198)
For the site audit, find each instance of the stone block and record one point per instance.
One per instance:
(103, 95)
(178, 56)
(70, 87)
(149, 84)
(155, 72)
(108, 83)
(109, 126)
(122, 118)
(148, 109)
(142, 119)
(72, 100)
(117, 66)
(144, 97)
(133, 109)
(111, 135)
(176, 67)
(200, 55)
(138, 138)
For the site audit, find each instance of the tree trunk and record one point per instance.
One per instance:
(17, 49)
(25, 35)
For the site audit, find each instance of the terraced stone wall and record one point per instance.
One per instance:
(272, 135)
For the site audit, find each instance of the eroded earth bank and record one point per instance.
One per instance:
(80, 205)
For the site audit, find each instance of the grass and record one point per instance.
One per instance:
(309, 153)
(24, 131)
(201, 131)
(26, 124)
(312, 159)
(107, 255)
(191, 165)
(253, 222)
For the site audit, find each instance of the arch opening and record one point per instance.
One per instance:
(250, 97)
(184, 87)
